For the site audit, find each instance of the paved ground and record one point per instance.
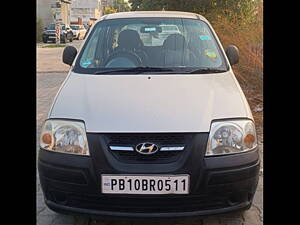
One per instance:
(50, 59)
(48, 83)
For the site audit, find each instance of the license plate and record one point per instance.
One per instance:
(145, 184)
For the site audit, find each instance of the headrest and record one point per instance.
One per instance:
(174, 42)
(129, 39)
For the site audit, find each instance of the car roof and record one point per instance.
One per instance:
(170, 14)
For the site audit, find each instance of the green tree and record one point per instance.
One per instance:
(109, 10)
(177, 5)
(135, 4)
(239, 10)
(121, 5)
(39, 30)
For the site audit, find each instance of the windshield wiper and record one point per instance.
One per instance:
(138, 70)
(135, 70)
(207, 70)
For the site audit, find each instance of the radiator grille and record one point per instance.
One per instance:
(160, 139)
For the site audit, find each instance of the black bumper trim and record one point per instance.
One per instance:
(71, 210)
(232, 160)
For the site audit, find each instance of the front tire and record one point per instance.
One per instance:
(45, 40)
(63, 39)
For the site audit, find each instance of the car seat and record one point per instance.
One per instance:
(129, 40)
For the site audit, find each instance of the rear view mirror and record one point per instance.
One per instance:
(233, 54)
(69, 55)
(149, 29)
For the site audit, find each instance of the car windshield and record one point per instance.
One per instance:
(75, 27)
(51, 27)
(129, 45)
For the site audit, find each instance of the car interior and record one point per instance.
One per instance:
(148, 46)
(173, 52)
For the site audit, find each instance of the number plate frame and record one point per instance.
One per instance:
(106, 182)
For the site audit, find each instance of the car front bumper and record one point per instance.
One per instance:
(72, 184)
(49, 36)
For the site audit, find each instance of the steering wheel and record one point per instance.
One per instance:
(120, 58)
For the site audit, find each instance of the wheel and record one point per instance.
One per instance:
(45, 40)
(63, 39)
(71, 39)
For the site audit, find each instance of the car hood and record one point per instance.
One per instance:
(150, 103)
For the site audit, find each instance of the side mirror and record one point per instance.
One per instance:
(69, 55)
(233, 54)
(45, 28)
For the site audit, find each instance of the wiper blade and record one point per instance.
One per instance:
(135, 70)
(207, 70)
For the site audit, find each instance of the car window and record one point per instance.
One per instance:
(89, 58)
(153, 38)
(51, 27)
(153, 42)
(74, 27)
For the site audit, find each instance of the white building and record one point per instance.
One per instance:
(43, 11)
(107, 3)
(51, 11)
(85, 9)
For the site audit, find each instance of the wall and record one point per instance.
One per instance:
(84, 4)
(65, 13)
(85, 9)
(43, 11)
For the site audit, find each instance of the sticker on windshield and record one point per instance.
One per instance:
(86, 63)
(204, 37)
(210, 54)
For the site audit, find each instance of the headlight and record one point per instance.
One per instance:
(64, 136)
(228, 137)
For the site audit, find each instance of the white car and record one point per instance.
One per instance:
(161, 129)
(78, 31)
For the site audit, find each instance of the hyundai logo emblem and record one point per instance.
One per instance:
(146, 148)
